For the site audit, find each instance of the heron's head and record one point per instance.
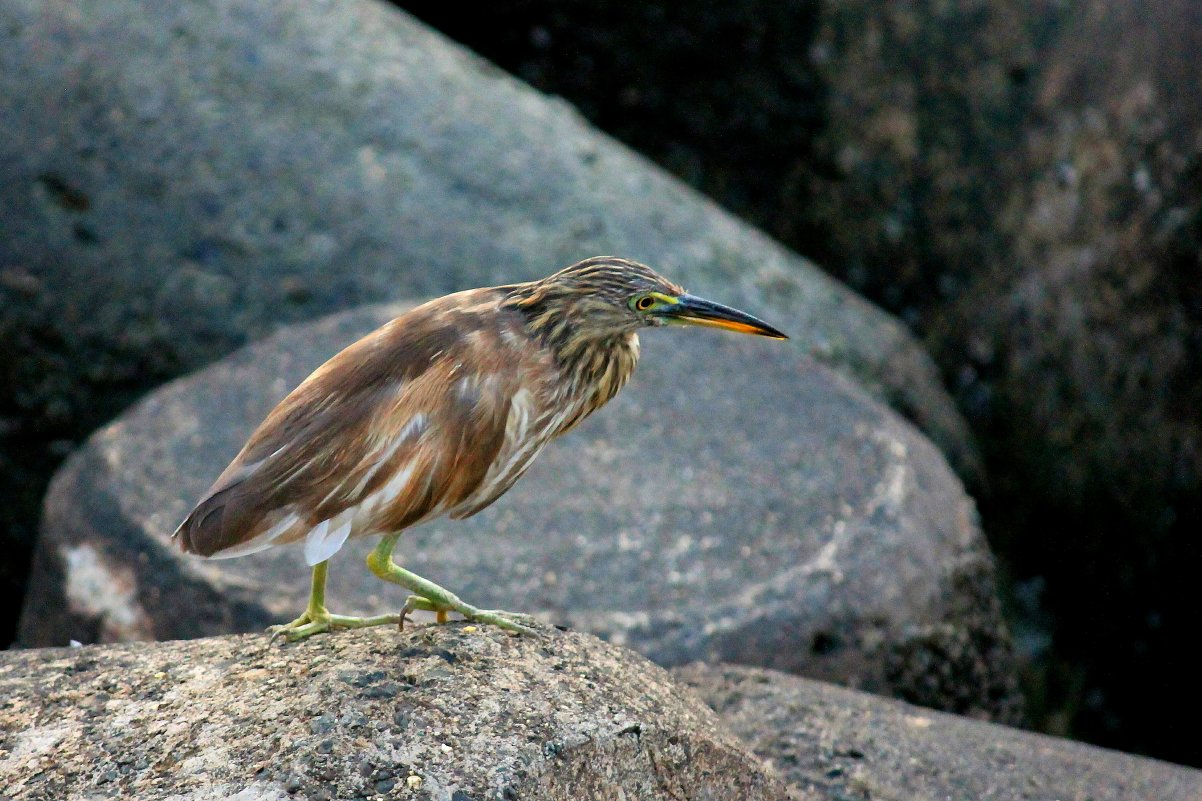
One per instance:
(606, 296)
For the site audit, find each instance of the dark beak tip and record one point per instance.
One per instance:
(707, 312)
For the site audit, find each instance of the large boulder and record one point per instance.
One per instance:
(457, 713)
(833, 743)
(735, 502)
(179, 179)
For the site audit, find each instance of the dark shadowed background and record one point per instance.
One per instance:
(1020, 182)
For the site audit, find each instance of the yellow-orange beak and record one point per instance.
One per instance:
(692, 310)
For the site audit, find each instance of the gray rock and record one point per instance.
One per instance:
(444, 714)
(178, 179)
(735, 502)
(836, 744)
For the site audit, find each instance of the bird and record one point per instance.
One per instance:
(436, 413)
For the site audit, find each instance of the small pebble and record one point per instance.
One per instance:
(414, 782)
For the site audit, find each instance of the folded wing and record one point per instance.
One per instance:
(396, 429)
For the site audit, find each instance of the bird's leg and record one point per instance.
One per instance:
(316, 618)
(430, 597)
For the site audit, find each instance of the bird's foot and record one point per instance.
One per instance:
(510, 621)
(320, 620)
(306, 625)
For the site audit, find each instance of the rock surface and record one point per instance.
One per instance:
(793, 523)
(177, 179)
(448, 713)
(833, 744)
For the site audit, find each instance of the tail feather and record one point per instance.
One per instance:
(207, 530)
(227, 516)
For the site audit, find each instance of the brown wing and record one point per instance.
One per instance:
(427, 393)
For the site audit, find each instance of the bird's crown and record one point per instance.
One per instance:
(597, 297)
(606, 277)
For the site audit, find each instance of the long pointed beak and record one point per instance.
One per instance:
(692, 310)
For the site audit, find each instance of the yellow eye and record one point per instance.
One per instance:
(644, 303)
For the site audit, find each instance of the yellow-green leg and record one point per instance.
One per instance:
(317, 618)
(430, 597)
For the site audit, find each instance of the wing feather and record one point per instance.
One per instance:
(386, 429)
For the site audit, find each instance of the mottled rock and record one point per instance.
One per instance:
(832, 744)
(445, 714)
(735, 502)
(178, 179)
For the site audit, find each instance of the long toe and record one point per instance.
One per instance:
(510, 621)
(300, 621)
(345, 622)
(300, 629)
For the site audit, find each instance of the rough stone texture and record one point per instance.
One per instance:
(833, 744)
(449, 713)
(793, 523)
(176, 179)
(1021, 181)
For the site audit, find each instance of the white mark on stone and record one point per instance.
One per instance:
(824, 560)
(97, 589)
(890, 491)
(369, 163)
(614, 625)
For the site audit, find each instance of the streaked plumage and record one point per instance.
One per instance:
(438, 412)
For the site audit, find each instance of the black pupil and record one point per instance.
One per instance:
(645, 303)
